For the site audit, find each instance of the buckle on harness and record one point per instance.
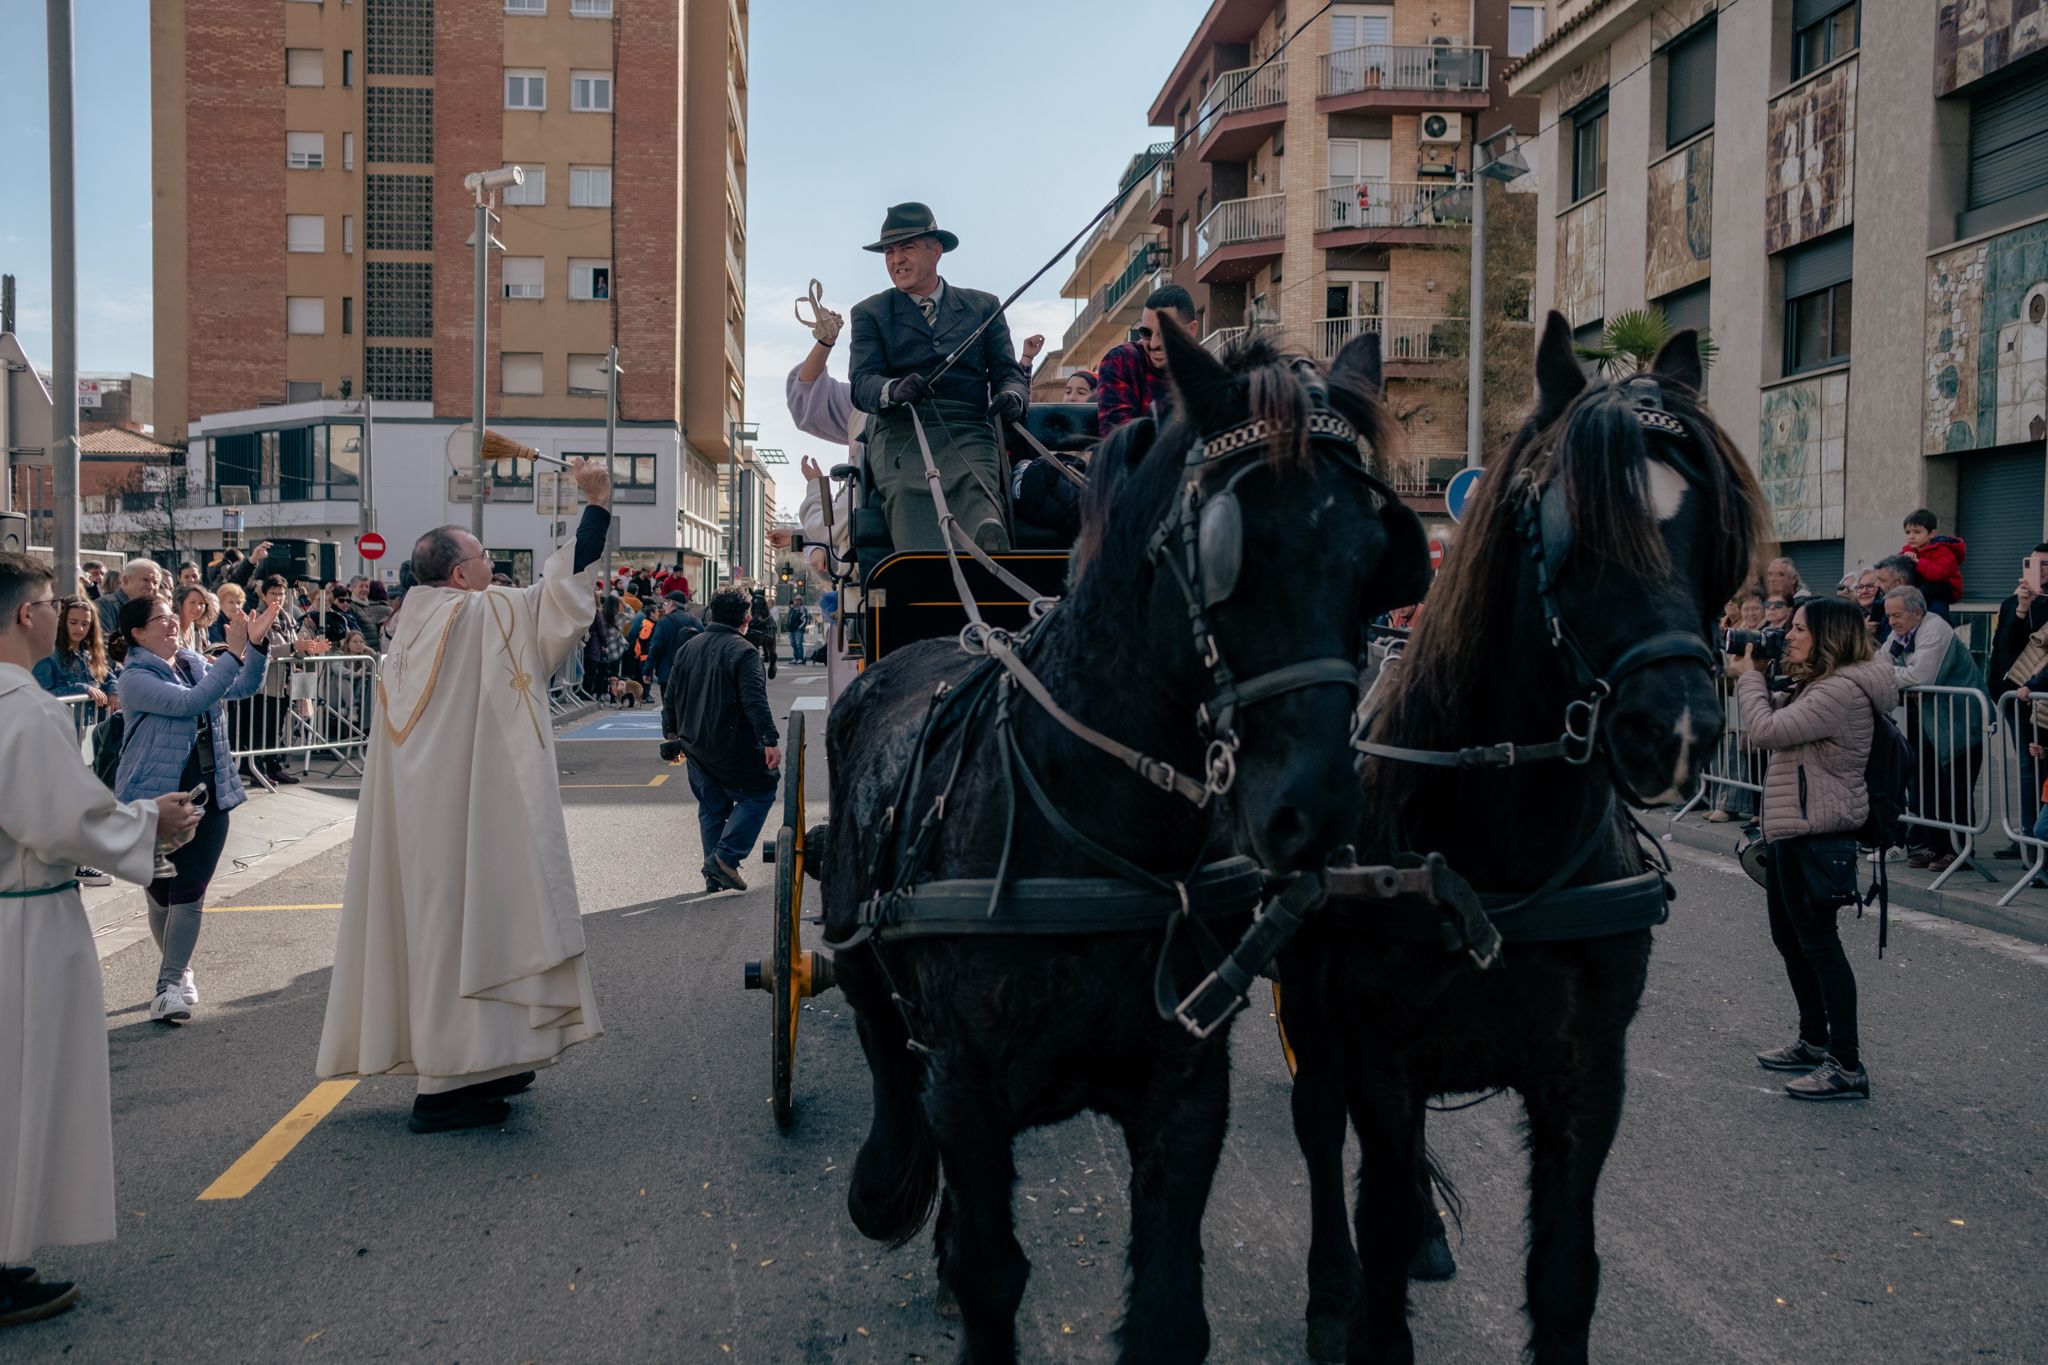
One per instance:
(1159, 774)
(1208, 1007)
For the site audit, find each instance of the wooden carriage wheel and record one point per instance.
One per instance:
(1280, 1022)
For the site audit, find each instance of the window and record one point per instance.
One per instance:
(348, 151)
(1690, 307)
(348, 68)
(526, 6)
(400, 211)
(1360, 26)
(348, 316)
(590, 187)
(399, 40)
(348, 234)
(1823, 31)
(2008, 154)
(305, 317)
(632, 475)
(525, 277)
(526, 89)
(398, 299)
(305, 232)
(304, 66)
(589, 279)
(1589, 148)
(590, 9)
(1818, 303)
(399, 374)
(1525, 28)
(534, 191)
(520, 373)
(587, 375)
(590, 92)
(1689, 84)
(305, 151)
(399, 122)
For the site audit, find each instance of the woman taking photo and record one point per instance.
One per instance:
(177, 741)
(1818, 732)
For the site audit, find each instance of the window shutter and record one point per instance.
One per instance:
(303, 66)
(305, 317)
(305, 232)
(1998, 514)
(1687, 307)
(1689, 85)
(519, 373)
(524, 277)
(1808, 12)
(1812, 268)
(2009, 140)
(586, 372)
(1819, 563)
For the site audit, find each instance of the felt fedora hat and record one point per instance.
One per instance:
(906, 221)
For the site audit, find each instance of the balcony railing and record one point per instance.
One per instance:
(1234, 92)
(1142, 181)
(1424, 477)
(1392, 204)
(1403, 341)
(1236, 221)
(1105, 301)
(1220, 339)
(1432, 68)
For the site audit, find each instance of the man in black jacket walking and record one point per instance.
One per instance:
(714, 711)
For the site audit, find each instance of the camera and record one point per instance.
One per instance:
(1766, 646)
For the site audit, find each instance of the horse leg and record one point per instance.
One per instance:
(1572, 1121)
(979, 1258)
(1389, 1225)
(895, 1175)
(1319, 1126)
(1433, 1259)
(1175, 1141)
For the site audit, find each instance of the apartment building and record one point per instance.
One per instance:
(313, 248)
(1741, 165)
(1318, 195)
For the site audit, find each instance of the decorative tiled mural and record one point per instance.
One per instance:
(1583, 81)
(1582, 261)
(1799, 459)
(1681, 212)
(1987, 343)
(1974, 38)
(1810, 161)
(1674, 18)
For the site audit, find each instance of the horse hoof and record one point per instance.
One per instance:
(1326, 1335)
(947, 1303)
(1433, 1260)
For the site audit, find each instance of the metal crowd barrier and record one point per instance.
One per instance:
(1734, 775)
(2020, 775)
(309, 705)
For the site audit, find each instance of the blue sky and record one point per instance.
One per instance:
(1011, 121)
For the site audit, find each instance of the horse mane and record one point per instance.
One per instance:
(1599, 451)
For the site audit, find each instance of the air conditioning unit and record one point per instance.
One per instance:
(1438, 126)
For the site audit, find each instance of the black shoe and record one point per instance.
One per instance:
(1831, 1081)
(2009, 854)
(14, 1276)
(1800, 1056)
(33, 1302)
(445, 1113)
(718, 877)
(277, 773)
(500, 1088)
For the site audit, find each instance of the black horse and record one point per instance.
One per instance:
(973, 1039)
(1638, 506)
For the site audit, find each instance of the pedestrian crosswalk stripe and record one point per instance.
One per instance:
(233, 909)
(274, 1146)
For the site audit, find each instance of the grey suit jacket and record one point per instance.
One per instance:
(891, 339)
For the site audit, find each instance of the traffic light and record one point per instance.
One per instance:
(785, 573)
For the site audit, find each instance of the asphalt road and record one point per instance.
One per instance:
(641, 1205)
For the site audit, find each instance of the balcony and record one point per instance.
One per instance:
(1382, 76)
(1392, 212)
(1424, 478)
(1239, 236)
(1137, 194)
(1404, 342)
(1242, 109)
(1162, 193)
(1120, 296)
(734, 268)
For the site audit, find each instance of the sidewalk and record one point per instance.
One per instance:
(1966, 897)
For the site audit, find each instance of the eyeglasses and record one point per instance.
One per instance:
(50, 602)
(1776, 606)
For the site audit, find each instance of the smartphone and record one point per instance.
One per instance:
(2031, 570)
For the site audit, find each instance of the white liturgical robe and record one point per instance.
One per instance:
(56, 1126)
(460, 956)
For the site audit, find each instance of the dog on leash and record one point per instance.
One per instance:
(627, 693)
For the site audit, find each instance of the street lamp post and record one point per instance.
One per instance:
(63, 301)
(611, 441)
(485, 186)
(735, 434)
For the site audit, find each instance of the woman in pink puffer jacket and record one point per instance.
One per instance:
(1818, 734)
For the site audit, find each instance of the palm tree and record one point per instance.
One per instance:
(1631, 340)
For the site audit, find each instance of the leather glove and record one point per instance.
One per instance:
(1008, 405)
(911, 388)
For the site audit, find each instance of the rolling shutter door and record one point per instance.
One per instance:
(1819, 563)
(1999, 517)
(2009, 141)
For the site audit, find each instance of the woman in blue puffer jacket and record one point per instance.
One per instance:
(177, 740)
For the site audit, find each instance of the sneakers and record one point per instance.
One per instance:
(169, 1007)
(1831, 1081)
(92, 876)
(188, 988)
(33, 1301)
(1800, 1056)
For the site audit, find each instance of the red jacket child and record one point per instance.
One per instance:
(1938, 559)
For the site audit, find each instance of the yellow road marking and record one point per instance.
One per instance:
(654, 781)
(235, 909)
(274, 1146)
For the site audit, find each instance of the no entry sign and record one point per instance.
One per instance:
(370, 545)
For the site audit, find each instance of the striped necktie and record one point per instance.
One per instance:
(930, 308)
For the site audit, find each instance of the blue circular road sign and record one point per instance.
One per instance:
(1458, 492)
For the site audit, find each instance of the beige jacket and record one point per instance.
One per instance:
(1819, 745)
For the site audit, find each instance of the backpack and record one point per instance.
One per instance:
(1885, 775)
(108, 738)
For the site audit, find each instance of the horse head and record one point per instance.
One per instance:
(1248, 539)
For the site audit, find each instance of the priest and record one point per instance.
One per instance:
(460, 956)
(56, 1125)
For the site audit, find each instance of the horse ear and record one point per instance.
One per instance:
(1680, 360)
(1360, 361)
(1559, 376)
(1197, 375)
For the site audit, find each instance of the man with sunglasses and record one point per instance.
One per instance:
(460, 956)
(1132, 378)
(56, 1140)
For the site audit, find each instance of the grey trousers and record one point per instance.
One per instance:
(970, 472)
(176, 931)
